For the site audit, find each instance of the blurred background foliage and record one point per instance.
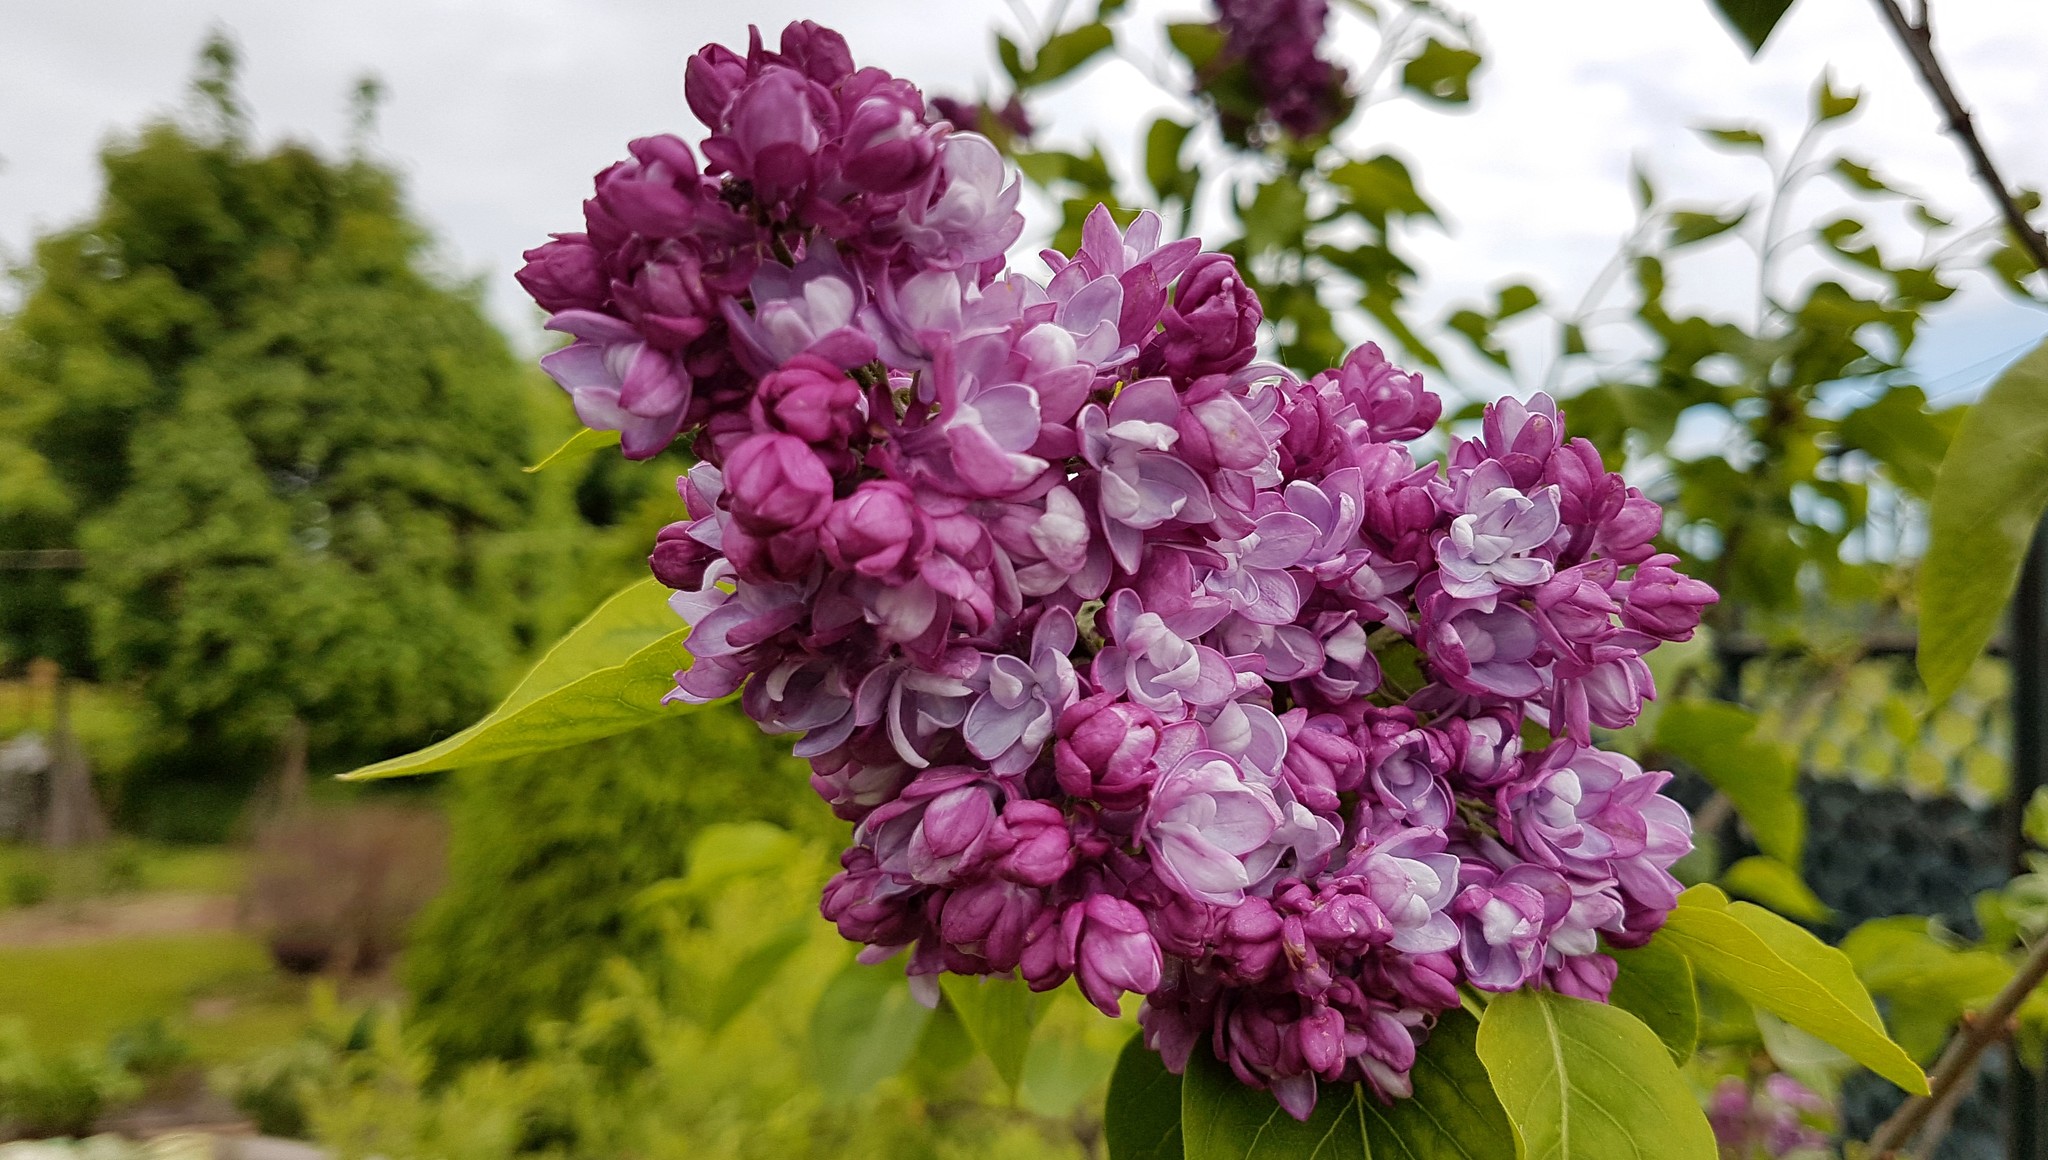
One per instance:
(261, 488)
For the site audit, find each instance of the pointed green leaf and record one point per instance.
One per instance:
(999, 1014)
(577, 446)
(1791, 974)
(1988, 499)
(1753, 20)
(1688, 227)
(1762, 878)
(1587, 1081)
(1452, 1115)
(1441, 72)
(1737, 137)
(863, 1029)
(1069, 1062)
(606, 677)
(1163, 142)
(1065, 53)
(1760, 777)
(1654, 983)
(1141, 1120)
(1829, 105)
(752, 972)
(1222, 1119)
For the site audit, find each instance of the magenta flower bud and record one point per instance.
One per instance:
(1212, 327)
(941, 829)
(990, 919)
(1321, 762)
(1392, 404)
(810, 399)
(1250, 940)
(710, 80)
(1104, 751)
(564, 274)
(679, 559)
(819, 52)
(1589, 977)
(1112, 950)
(1484, 749)
(865, 906)
(878, 531)
(1040, 851)
(1662, 603)
(773, 134)
(887, 147)
(775, 484)
(1523, 436)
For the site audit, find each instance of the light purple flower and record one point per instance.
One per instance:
(1020, 700)
(1503, 918)
(1491, 542)
(619, 382)
(1205, 818)
(966, 211)
(1154, 666)
(1140, 483)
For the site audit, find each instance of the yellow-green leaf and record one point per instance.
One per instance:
(1654, 983)
(1788, 972)
(1587, 1081)
(1988, 499)
(606, 677)
(999, 1014)
(577, 446)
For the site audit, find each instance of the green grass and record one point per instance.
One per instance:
(31, 874)
(82, 994)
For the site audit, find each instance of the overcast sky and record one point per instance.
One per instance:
(499, 112)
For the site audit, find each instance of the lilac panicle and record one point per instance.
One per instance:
(1133, 661)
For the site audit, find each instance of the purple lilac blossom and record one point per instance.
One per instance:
(1133, 661)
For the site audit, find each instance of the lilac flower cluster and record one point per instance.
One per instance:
(1779, 1118)
(1274, 43)
(1133, 660)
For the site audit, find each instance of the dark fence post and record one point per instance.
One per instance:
(2027, 1095)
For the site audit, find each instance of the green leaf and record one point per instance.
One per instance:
(1011, 57)
(1441, 72)
(1759, 776)
(1860, 177)
(1988, 499)
(1926, 986)
(1829, 105)
(1790, 973)
(1453, 1114)
(1688, 227)
(1655, 984)
(1515, 299)
(1198, 43)
(1108, 8)
(1163, 142)
(863, 1029)
(1735, 138)
(999, 1014)
(606, 677)
(752, 972)
(581, 444)
(1762, 878)
(1379, 188)
(1065, 53)
(1587, 1081)
(1141, 1120)
(1753, 20)
(1900, 432)
(1068, 1063)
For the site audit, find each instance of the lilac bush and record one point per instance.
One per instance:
(1134, 660)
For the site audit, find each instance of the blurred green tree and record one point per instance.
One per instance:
(551, 855)
(288, 450)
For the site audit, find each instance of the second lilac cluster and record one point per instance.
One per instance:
(1277, 46)
(1134, 661)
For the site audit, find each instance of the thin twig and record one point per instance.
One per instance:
(1943, 1116)
(1959, 1060)
(1917, 39)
